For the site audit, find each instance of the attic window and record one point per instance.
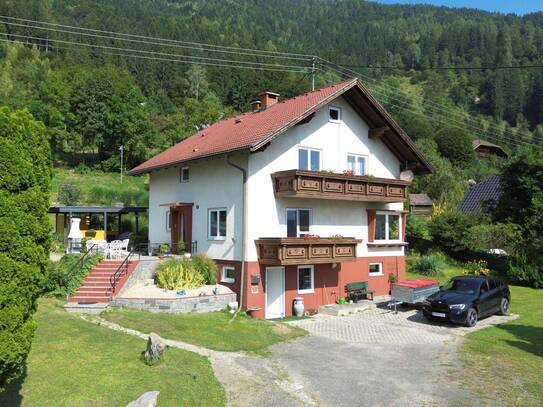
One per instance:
(334, 114)
(184, 174)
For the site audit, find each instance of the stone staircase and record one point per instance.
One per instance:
(97, 288)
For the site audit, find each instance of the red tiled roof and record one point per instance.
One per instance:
(247, 131)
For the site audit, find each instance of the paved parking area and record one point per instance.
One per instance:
(383, 325)
(377, 358)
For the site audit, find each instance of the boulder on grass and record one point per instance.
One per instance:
(155, 348)
(147, 399)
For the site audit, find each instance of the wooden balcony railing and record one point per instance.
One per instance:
(283, 251)
(323, 185)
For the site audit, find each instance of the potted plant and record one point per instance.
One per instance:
(392, 278)
(164, 250)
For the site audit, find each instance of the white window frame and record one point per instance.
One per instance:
(357, 156)
(298, 232)
(377, 274)
(307, 290)
(218, 236)
(309, 150)
(181, 176)
(224, 278)
(387, 230)
(168, 221)
(339, 114)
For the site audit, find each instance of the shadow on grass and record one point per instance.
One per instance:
(12, 396)
(529, 338)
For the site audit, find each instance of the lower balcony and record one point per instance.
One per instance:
(284, 251)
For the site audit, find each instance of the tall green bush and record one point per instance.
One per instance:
(450, 230)
(25, 181)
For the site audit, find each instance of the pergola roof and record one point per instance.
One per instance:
(98, 209)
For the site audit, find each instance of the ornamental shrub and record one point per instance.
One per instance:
(25, 182)
(178, 274)
(455, 144)
(69, 194)
(425, 265)
(206, 266)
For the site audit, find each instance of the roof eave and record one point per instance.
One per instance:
(147, 170)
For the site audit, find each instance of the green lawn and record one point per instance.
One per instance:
(504, 363)
(76, 363)
(211, 330)
(102, 188)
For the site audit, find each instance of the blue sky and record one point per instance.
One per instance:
(503, 6)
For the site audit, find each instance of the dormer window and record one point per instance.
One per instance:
(184, 174)
(334, 114)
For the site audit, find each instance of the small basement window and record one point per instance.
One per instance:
(306, 280)
(228, 274)
(376, 269)
(334, 114)
(184, 174)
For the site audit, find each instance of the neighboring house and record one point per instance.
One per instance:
(484, 149)
(482, 196)
(420, 204)
(256, 191)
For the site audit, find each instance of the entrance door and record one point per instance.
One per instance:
(181, 217)
(275, 292)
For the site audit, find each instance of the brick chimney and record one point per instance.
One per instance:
(268, 99)
(255, 105)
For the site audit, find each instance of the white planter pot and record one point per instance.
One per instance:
(298, 307)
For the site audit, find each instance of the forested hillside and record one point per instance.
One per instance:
(92, 100)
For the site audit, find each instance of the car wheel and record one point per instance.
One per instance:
(504, 306)
(471, 317)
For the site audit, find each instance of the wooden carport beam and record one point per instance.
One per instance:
(378, 132)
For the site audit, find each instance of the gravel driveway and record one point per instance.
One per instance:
(377, 358)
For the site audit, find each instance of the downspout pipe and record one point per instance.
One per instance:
(244, 231)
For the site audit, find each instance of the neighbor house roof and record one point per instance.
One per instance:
(483, 143)
(482, 196)
(253, 130)
(420, 200)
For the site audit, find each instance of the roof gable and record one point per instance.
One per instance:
(252, 130)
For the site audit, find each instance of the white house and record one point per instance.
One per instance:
(295, 198)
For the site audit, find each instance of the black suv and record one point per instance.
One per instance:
(465, 299)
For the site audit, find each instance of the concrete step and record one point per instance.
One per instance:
(91, 308)
(338, 310)
(89, 300)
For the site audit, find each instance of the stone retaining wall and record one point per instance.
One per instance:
(205, 303)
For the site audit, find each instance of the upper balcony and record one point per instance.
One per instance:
(325, 185)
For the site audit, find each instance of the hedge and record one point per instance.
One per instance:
(25, 181)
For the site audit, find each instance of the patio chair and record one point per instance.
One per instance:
(115, 249)
(124, 247)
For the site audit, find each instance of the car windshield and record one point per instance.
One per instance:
(463, 285)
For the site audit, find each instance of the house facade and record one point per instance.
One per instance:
(293, 199)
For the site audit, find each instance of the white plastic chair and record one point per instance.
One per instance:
(124, 247)
(115, 249)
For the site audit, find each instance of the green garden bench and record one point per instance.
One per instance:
(356, 291)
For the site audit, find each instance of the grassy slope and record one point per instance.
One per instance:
(76, 363)
(211, 330)
(505, 363)
(103, 188)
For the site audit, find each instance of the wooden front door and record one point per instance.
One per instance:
(181, 229)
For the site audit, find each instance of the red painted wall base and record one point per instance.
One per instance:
(329, 282)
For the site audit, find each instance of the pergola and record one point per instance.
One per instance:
(67, 212)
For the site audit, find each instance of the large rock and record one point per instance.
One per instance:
(155, 348)
(147, 399)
